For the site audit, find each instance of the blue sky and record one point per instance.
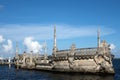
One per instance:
(76, 21)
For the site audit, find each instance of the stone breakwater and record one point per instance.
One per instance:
(86, 60)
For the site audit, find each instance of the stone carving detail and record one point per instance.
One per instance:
(71, 56)
(97, 59)
(103, 58)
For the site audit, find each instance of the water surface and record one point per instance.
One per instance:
(14, 74)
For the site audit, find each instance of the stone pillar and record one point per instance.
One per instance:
(71, 56)
(24, 63)
(72, 49)
(31, 58)
(98, 38)
(45, 51)
(55, 45)
(16, 54)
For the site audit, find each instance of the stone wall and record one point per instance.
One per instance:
(86, 65)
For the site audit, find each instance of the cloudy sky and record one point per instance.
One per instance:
(31, 23)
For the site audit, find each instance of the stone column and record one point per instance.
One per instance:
(55, 45)
(16, 53)
(31, 58)
(45, 52)
(98, 37)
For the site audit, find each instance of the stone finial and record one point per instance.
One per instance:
(73, 47)
(105, 47)
(104, 43)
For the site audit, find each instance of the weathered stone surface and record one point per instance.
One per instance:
(92, 60)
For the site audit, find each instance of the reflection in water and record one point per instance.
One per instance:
(80, 77)
(9, 66)
(14, 74)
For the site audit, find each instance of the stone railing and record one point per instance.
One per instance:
(79, 51)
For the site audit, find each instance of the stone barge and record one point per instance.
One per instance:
(80, 60)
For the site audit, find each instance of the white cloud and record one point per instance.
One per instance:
(1, 39)
(32, 45)
(8, 47)
(19, 33)
(112, 46)
(45, 32)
